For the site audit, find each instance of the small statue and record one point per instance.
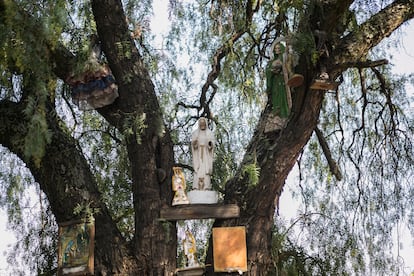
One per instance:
(179, 186)
(190, 249)
(202, 147)
(280, 78)
(322, 81)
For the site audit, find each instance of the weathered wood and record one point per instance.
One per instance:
(200, 211)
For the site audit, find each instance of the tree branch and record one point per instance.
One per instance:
(63, 59)
(356, 44)
(333, 167)
(220, 54)
(362, 64)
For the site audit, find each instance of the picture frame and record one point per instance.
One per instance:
(76, 248)
(229, 249)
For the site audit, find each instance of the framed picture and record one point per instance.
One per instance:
(229, 249)
(76, 248)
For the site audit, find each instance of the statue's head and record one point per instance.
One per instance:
(279, 48)
(202, 123)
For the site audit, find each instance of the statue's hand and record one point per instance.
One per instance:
(276, 66)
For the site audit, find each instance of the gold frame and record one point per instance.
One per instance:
(229, 249)
(76, 248)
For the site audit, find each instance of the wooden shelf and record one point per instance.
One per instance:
(190, 271)
(200, 211)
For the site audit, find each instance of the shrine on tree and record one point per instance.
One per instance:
(202, 203)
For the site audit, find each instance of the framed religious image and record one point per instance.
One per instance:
(229, 249)
(76, 248)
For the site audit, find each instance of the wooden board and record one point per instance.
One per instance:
(323, 85)
(229, 249)
(190, 271)
(295, 81)
(200, 211)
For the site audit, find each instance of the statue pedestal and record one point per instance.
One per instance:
(190, 271)
(202, 197)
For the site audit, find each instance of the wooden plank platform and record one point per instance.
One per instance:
(324, 85)
(200, 211)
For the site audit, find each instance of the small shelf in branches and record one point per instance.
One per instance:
(200, 211)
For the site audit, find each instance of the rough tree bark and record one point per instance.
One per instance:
(69, 181)
(150, 149)
(277, 153)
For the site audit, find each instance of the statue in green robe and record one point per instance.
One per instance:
(276, 82)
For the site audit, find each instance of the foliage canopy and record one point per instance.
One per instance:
(352, 145)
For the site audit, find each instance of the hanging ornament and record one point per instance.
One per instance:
(93, 89)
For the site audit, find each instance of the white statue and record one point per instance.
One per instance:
(202, 147)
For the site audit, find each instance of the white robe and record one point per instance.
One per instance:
(202, 147)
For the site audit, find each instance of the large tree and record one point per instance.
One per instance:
(115, 163)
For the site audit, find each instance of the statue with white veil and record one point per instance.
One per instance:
(202, 148)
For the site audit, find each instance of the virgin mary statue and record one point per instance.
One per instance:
(202, 147)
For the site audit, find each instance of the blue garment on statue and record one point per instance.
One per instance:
(89, 87)
(96, 85)
(108, 80)
(80, 88)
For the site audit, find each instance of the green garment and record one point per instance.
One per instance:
(276, 89)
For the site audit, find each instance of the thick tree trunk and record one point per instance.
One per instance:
(65, 177)
(276, 155)
(275, 159)
(150, 149)
(69, 181)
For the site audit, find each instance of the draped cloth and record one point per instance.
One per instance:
(202, 147)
